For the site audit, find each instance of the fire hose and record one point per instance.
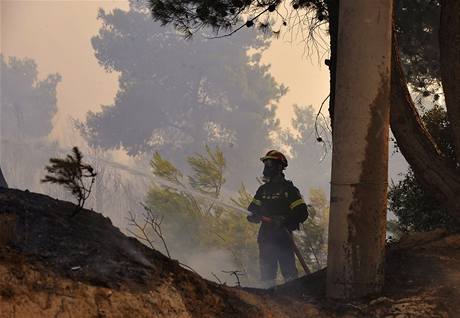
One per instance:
(296, 250)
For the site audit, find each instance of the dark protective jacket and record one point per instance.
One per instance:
(278, 198)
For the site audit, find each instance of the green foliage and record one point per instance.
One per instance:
(194, 221)
(72, 173)
(313, 237)
(162, 168)
(244, 198)
(239, 236)
(414, 206)
(208, 172)
(437, 123)
(417, 25)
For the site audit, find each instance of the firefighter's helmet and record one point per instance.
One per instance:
(275, 155)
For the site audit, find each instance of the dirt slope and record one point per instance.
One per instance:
(58, 266)
(422, 279)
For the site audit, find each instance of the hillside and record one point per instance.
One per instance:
(58, 266)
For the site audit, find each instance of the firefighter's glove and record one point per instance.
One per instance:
(253, 218)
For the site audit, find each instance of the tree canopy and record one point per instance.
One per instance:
(426, 31)
(417, 26)
(417, 23)
(27, 103)
(415, 207)
(177, 95)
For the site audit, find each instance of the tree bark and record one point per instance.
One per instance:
(449, 47)
(333, 11)
(360, 150)
(431, 168)
(3, 183)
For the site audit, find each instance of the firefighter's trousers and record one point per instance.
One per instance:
(275, 248)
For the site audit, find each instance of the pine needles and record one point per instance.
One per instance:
(73, 174)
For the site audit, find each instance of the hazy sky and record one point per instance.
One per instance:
(56, 34)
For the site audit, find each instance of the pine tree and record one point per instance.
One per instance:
(72, 173)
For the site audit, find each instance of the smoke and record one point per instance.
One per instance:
(219, 266)
(134, 254)
(212, 262)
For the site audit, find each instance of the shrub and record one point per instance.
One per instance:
(73, 174)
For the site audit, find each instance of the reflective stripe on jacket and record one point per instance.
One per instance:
(280, 198)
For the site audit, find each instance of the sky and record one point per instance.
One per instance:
(56, 34)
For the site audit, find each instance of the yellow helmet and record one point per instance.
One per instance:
(275, 155)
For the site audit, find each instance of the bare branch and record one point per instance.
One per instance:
(151, 222)
(237, 275)
(217, 278)
(188, 267)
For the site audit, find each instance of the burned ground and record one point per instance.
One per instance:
(83, 266)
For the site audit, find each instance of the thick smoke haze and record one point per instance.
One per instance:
(103, 76)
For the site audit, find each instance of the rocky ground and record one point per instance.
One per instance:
(55, 265)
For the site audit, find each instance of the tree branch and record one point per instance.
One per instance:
(431, 168)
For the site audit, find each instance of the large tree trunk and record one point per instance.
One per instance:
(360, 150)
(431, 168)
(449, 47)
(3, 183)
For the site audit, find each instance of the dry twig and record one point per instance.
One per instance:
(237, 275)
(151, 223)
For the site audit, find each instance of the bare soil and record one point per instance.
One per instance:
(56, 265)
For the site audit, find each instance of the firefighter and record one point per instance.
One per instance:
(280, 201)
